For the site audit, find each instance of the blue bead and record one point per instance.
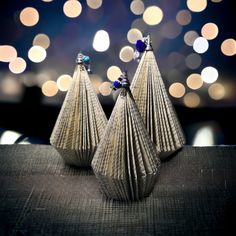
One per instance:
(86, 59)
(117, 84)
(140, 46)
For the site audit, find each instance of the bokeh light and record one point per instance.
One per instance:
(228, 47)
(216, 91)
(209, 31)
(72, 8)
(197, 5)
(171, 29)
(126, 54)
(29, 16)
(194, 81)
(193, 61)
(37, 54)
(200, 45)
(137, 7)
(47, 0)
(153, 15)
(101, 41)
(42, 77)
(192, 100)
(41, 40)
(177, 90)
(96, 81)
(209, 74)
(29, 79)
(10, 86)
(113, 73)
(94, 4)
(64, 82)
(174, 59)
(139, 24)
(105, 88)
(133, 35)
(7, 53)
(216, 1)
(190, 37)
(184, 17)
(17, 66)
(49, 88)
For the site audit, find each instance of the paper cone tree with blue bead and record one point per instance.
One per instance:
(126, 162)
(81, 121)
(153, 102)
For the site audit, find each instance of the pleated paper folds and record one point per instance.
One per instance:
(81, 121)
(155, 106)
(126, 162)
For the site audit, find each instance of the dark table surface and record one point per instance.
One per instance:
(39, 195)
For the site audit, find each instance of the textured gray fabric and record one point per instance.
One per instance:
(39, 195)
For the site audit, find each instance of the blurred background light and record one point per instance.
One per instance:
(29, 16)
(204, 137)
(105, 88)
(72, 8)
(41, 40)
(96, 81)
(137, 7)
(64, 82)
(197, 5)
(47, 0)
(216, 1)
(37, 54)
(194, 81)
(126, 54)
(153, 15)
(216, 91)
(171, 29)
(200, 45)
(192, 100)
(190, 37)
(228, 47)
(193, 61)
(177, 90)
(139, 24)
(133, 35)
(9, 137)
(184, 17)
(94, 4)
(17, 66)
(29, 79)
(50, 88)
(209, 74)
(7, 53)
(10, 86)
(209, 31)
(101, 41)
(113, 73)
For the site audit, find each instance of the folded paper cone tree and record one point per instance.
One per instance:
(154, 104)
(126, 162)
(81, 121)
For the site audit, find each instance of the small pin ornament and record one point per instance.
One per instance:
(84, 60)
(142, 45)
(126, 162)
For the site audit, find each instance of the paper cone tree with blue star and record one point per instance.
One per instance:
(153, 102)
(126, 162)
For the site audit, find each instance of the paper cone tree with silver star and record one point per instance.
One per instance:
(126, 162)
(153, 102)
(81, 121)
